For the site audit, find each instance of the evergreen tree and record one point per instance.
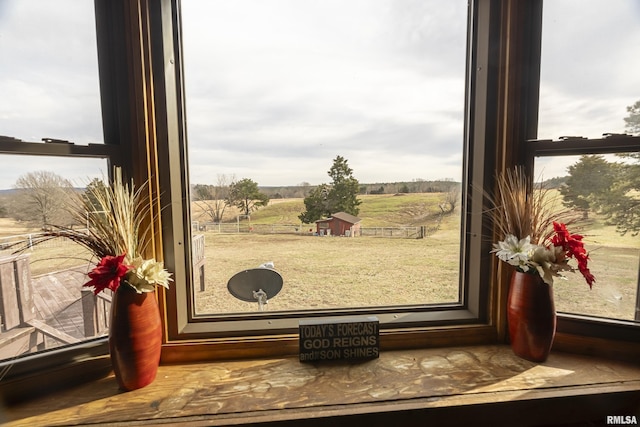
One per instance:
(588, 179)
(96, 186)
(621, 204)
(344, 188)
(610, 187)
(339, 196)
(317, 204)
(632, 121)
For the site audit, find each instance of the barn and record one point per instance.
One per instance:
(339, 224)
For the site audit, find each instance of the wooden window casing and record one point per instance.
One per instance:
(144, 117)
(500, 93)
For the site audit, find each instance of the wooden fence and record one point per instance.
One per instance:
(394, 232)
(95, 312)
(411, 232)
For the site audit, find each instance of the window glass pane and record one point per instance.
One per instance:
(50, 90)
(598, 188)
(49, 74)
(589, 67)
(589, 88)
(279, 96)
(42, 304)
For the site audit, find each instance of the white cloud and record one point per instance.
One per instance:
(304, 82)
(589, 66)
(278, 88)
(49, 83)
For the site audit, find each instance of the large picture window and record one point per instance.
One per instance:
(373, 91)
(296, 105)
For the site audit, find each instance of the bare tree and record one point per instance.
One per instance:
(40, 199)
(451, 199)
(212, 198)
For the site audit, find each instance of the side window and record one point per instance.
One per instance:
(587, 98)
(51, 143)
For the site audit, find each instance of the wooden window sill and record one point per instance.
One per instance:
(444, 386)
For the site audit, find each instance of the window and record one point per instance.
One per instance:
(465, 305)
(583, 102)
(51, 142)
(380, 84)
(142, 72)
(50, 78)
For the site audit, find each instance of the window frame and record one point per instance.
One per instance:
(22, 375)
(502, 97)
(130, 142)
(143, 113)
(184, 326)
(578, 324)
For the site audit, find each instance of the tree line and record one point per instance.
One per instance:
(593, 184)
(323, 200)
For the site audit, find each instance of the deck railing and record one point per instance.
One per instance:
(95, 312)
(198, 259)
(20, 330)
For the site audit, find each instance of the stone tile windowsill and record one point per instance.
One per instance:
(442, 386)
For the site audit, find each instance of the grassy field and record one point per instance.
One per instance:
(55, 256)
(335, 272)
(379, 272)
(332, 272)
(10, 227)
(615, 261)
(385, 210)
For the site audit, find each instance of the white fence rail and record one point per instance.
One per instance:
(394, 232)
(413, 232)
(10, 244)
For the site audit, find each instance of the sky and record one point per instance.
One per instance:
(276, 94)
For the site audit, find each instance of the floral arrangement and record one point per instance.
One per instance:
(115, 216)
(536, 239)
(547, 260)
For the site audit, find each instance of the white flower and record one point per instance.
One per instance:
(548, 262)
(146, 274)
(515, 252)
(545, 260)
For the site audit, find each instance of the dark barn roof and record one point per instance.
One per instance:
(343, 216)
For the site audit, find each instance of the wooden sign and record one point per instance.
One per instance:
(339, 339)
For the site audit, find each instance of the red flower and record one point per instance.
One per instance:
(574, 248)
(108, 273)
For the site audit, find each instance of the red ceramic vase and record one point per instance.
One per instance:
(135, 337)
(531, 315)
